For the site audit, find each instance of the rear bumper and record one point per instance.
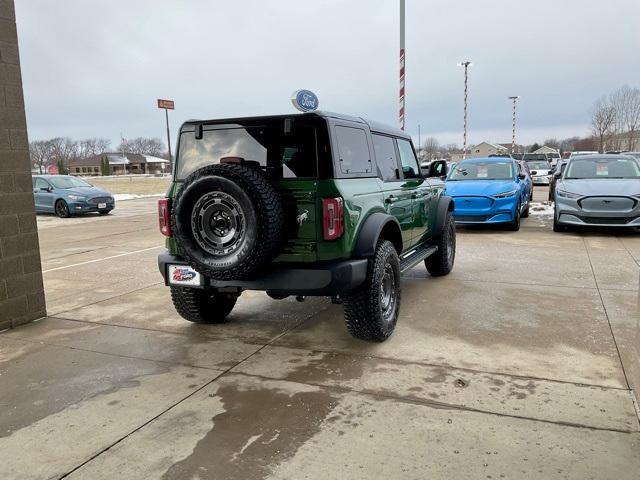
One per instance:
(320, 280)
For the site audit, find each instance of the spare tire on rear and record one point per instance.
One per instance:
(228, 221)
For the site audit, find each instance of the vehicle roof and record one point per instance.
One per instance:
(602, 156)
(46, 175)
(372, 124)
(487, 160)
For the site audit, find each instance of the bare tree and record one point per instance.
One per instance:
(40, 152)
(431, 147)
(603, 117)
(144, 146)
(93, 146)
(631, 116)
(553, 143)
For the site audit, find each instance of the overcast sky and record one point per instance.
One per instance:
(95, 68)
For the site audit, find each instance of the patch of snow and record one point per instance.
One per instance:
(119, 197)
(541, 208)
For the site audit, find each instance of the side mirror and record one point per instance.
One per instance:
(45, 189)
(534, 172)
(437, 168)
(557, 174)
(522, 176)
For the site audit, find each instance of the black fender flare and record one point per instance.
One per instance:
(372, 229)
(445, 204)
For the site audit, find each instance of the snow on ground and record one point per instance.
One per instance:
(541, 208)
(129, 196)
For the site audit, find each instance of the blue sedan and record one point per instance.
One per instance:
(489, 190)
(65, 195)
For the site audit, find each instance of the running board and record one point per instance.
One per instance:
(415, 256)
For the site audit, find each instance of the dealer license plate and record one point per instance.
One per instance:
(184, 275)
(102, 205)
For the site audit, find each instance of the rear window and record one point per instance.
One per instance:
(354, 150)
(288, 154)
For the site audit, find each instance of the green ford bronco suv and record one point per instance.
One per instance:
(302, 204)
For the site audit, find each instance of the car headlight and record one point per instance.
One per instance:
(77, 198)
(565, 194)
(510, 193)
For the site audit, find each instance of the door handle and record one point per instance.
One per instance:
(390, 199)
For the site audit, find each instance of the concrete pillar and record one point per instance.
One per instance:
(21, 289)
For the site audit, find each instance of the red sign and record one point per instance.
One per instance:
(165, 104)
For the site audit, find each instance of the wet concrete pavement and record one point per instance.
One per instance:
(520, 364)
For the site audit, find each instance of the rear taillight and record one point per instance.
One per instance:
(333, 218)
(164, 216)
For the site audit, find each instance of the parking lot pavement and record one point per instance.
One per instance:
(519, 364)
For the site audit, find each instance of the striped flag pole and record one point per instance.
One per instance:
(401, 116)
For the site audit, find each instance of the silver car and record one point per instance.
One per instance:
(598, 190)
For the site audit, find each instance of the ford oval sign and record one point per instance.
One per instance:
(305, 100)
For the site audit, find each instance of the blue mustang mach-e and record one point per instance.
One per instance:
(489, 190)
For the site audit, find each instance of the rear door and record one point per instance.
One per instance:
(398, 200)
(420, 191)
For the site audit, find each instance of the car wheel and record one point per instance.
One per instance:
(371, 310)
(525, 212)
(62, 209)
(515, 223)
(201, 305)
(558, 227)
(441, 262)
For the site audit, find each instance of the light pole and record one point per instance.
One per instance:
(401, 112)
(466, 64)
(513, 99)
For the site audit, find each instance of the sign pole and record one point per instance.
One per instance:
(167, 105)
(166, 114)
(401, 113)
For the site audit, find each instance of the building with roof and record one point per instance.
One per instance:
(545, 149)
(119, 164)
(485, 149)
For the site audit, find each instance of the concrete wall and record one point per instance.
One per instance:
(21, 289)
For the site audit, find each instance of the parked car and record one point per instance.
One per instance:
(528, 180)
(553, 158)
(65, 195)
(598, 190)
(555, 173)
(540, 171)
(489, 190)
(310, 204)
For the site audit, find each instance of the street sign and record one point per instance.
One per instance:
(305, 100)
(168, 104)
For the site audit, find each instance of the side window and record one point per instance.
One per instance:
(408, 158)
(386, 157)
(353, 149)
(40, 183)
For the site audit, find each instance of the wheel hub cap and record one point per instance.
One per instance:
(387, 293)
(218, 223)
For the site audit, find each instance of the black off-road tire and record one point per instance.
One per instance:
(364, 314)
(514, 225)
(263, 226)
(62, 209)
(201, 305)
(441, 262)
